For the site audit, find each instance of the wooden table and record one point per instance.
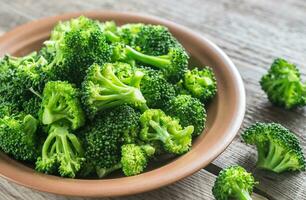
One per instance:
(251, 32)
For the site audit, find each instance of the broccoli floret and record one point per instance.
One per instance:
(76, 44)
(278, 148)
(283, 85)
(156, 89)
(234, 183)
(32, 106)
(8, 108)
(61, 151)
(128, 33)
(109, 29)
(60, 103)
(157, 126)
(173, 64)
(125, 73)
(18, 136)
(189, 111)
(102, 90)
(201, 83)
(135, 158)
(105, 135)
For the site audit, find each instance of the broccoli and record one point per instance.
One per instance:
(61, 151)
(234, 183)
(189, 111)
(157, 126)
(109, 29)
(18, 136)
(102, 89)
(155, 88)
(60, 103)
(128, 33)
(125, 73)
(283, 85)
(105, 135)
(76, 45)
(278, 148)
(135, 158)
(201, 83)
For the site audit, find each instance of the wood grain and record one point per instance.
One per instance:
(251, 32)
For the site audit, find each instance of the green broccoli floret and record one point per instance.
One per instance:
(8, 109)
(102, 90)
(61, 151)
(156, 89)
(189, 111)
(18, 136)
(234, 183)
(105, 135)
(125, 73)
(201, 83)
(75, 45)
(157, 126)
(109, 29)
(278, 148)
(283, 85)
(32, 106)
(135, 158)
(60, 103)
(128, 33)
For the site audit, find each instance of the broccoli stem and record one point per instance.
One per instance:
(284, 165)
(163, 134)
(112, 37)
(102, 172)
(242, 194)
(157, 61)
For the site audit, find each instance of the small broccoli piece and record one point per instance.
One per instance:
(105, 135)
(125, 73)
(75, 45)
(128, 33)
(102, 90)
(201, 83)
(17, 136)
(156, 89)
(60, 103)
(234, 183)
(61, 151)
(103, 172)
(157, 126)
(283, 85)
(189, 111)
(8, 109)
(173, 64)
(135, 158)
(278, 148)
(32, 106)
(109, 29)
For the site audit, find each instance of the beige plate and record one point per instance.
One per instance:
(225, 114)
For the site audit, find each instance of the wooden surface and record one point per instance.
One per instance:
(251, 32)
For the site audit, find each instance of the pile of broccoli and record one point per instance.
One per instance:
(98, 98)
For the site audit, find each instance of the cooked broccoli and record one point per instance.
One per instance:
(157, 126)
(189, 111)
(125, 73)
(61, 151)
(155, 88)
(135, 158)
(105, 135)
(234, 183)
(283, 85)
(278, 148)
(128, 33)
(76, 45)
(102, 89)
(201, 83)
(18, 136)
(60, 103)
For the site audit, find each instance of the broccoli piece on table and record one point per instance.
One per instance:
(234, 183)
(135, 158)
(278, 148)
(201, 83)
(102, 90)
(189, 111)
(61, 151)
(283, 85)
(18, 136)
(60, 103)
(157, 126)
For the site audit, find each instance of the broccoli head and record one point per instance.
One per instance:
(102, 90)
(234, 183)
(189, 111)
(283, 85)
(135, 158)
(157, 126)
(18, 136)
(61, 151)
(60, 103)
(278, 148)
(201, 83)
